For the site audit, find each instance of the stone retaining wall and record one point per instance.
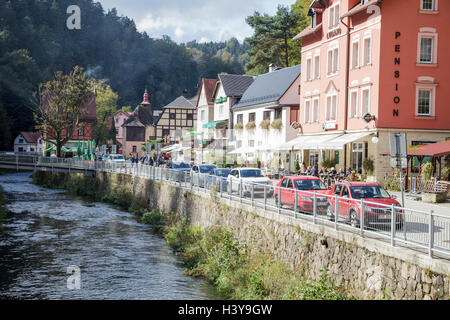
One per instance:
(368, 269)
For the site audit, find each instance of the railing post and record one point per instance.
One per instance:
(279, 200)
(431, 235)
(295, 203)
(315, 206)
(336, 212)
(265, 197)
(240, 190)
(363, 213)
(393, 225)
(253, 193)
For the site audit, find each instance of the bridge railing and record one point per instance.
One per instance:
(419, 230)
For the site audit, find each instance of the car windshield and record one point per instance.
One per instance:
(206, 169)
(222, 172)
(251, 173)
(118, 157)
(181, 165)
(309, 184)
(369, 192)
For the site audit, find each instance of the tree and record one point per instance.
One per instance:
(62, 106)
(271, 41)
(106, 102)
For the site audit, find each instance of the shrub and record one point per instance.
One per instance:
(445, 172)
(427, 171)
(156, 219)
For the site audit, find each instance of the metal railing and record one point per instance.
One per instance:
(419, 230)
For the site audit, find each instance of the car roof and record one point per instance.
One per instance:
(302, 177)
(247, 168)
(358, 183)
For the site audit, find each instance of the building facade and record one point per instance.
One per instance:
(29, 142)
(368, 72)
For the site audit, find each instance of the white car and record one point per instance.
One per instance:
(116, 158)
(246, 177)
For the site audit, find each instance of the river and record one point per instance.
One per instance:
(47, 231)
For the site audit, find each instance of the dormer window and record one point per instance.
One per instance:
(314, 20)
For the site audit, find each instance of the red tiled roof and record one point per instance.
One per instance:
(31, 137)
(359, 8)
(307, 32)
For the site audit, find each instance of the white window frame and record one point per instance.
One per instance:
(203, 115)
(365, 62)
(334, 63)
(315, 109)
(426, 87)
(316, 66)
(309, 69)
(334, 15)
(354, 113)
(427, 33)
(329, 107)
(355, 64)
(365, 89)
(308, 111)
(435, 6)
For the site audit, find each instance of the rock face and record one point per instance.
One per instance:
(366, 268)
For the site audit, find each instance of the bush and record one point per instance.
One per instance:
(427, 171)
(156, 219)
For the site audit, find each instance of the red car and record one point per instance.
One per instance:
(349, 207)
(305, 186)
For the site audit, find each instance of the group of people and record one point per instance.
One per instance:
(152, 160)
(314, 171)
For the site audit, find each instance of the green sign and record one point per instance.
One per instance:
(221, 100)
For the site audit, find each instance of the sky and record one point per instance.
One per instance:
(186, 20)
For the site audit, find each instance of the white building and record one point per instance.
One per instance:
(266, 116)
(30, 142)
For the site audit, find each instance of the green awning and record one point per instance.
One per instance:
(213, 124)
(192, 133)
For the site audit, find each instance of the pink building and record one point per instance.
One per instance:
(370, 68)
(119, 118)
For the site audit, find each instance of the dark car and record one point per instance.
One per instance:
(199, 174)
(219, 177)
(178, 171)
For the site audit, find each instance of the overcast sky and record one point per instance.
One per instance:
(186, 20)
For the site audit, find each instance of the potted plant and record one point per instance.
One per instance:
(368, 166)
(277, 124)
(239, 126)
(265, 124)
(445, 172)
(250, 125)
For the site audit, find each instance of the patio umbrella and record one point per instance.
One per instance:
(79, 149)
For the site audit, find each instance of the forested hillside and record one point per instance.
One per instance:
(35, 42)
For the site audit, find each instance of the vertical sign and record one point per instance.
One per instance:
(397, 47)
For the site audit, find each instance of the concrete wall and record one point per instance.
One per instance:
(368, 269)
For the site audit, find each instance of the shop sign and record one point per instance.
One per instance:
(221, 100)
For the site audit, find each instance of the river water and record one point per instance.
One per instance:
(47, 231)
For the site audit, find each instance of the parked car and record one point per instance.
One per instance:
(178, 171)
(219, 178)
(105, 157)
(116, 158)
(199, 174)
(304, 186)
(378, 208)
(246, 177)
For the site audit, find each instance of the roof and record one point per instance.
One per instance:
(235, 85)
(180, 103)
(31, 137)
(438, 149)
(308, 31)
(209, 85)
(269, 87)
(359, 7)
(141, 116)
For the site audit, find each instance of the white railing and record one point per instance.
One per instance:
(419, 230)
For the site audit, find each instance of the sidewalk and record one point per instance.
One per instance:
(438, 208)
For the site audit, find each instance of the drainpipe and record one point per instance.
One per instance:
(347, 80)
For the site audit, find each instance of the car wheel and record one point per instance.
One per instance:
(354, 220)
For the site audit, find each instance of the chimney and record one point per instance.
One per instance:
(185, 93)
(272, 67)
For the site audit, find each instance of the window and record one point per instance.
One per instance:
(289, 184)
(203, 115)
(427, 46)
(240, 118)
(190, 116)
(266, 115)
(365, 103)
(428, 5)
(172, 115)
(81, 132)
(316, 110)
(307, 111)
(308, 70)
(331, 107)
(165, 132)
(358, 151)
(21, 141)
(314, 20)
(426, 50)
(334, 16)
(316, 67)
(134, 149)
(278, 113)
(354, 104)
(333, 61)
(251, 117)
(355, 55)
(251, 143)
(424, 102)
(345, 192)
(367, 51)
(221, 109)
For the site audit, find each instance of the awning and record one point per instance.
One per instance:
(318, 142)
(170, 148)
(339, 142)
(213, 124)
(290, 145)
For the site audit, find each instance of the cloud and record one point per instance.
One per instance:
(201, 20)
